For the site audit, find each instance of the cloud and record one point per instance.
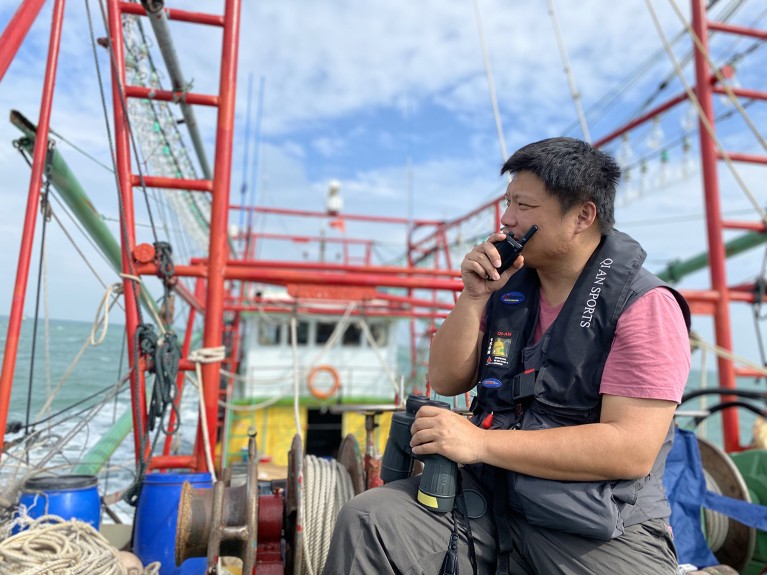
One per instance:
(392, 100)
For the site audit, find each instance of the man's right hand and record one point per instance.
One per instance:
(478, 268)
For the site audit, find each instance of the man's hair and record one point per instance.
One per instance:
(573, 172)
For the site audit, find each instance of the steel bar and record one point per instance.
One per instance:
(30, 217)
(218, 251)
(136, 9)
(16, 30)
(128, 223)
(179, 96)
(714, 228)
(172, 183)
(159, 21)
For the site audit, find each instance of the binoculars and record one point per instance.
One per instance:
(436, 490)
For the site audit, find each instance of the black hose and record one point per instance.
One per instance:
(748, 394)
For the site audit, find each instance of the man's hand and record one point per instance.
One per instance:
(438, 430)
(478, 272)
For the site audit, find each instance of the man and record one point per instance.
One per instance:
(572, 425)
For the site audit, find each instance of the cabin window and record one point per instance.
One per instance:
(269, 333)
(302, 333)
(380, 333)
(324, 331)
(323, 433)
(352, 335)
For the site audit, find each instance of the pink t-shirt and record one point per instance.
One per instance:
(650, 355)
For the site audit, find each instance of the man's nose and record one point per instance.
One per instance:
(509, 218)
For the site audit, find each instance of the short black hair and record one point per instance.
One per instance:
(574, 172)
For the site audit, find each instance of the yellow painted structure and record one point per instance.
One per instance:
(275, 427)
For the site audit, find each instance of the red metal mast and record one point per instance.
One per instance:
(213, 268)
(714, 228)
(33, 201)
(16, 31)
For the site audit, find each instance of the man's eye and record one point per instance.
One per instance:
(507, 203)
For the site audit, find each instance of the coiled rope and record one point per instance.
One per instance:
(199, 357)
(53, 546)
(716, 524)
(327, 486)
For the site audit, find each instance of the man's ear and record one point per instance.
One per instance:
(587, 215)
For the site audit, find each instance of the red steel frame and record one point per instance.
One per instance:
(33, 200)
(218, 248)
(211, 297)
(716, 301)
(16, 31)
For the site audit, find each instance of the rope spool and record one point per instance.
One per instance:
(315, 492)
(732, 542)
(52, 545)
(327, 486)
(336, 381)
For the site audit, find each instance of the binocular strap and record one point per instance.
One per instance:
(505, 542)
(450, 563)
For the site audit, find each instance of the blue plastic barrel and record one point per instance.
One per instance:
(68, 496)
(154, 536)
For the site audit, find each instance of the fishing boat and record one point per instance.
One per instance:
(263, 364)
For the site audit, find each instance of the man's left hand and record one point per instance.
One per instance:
(437, 430)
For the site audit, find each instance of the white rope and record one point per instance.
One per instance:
(719, 77)
(716, 524)
(490, 82)
(702, 116)
(47, 324)
(53, 546)
(574, 93)
(376, 349)
(696, 340)
(326, 487)
(200, 356)
(294, 350)
(337, 332)
(89, 341)
(139, 285)
(104, 306)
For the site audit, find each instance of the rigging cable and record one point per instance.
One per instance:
(702, 116)
(720, 78)
(605, 103)
(696, 340)
(490, 82)
(44, 208)
(132, 495)
(725, 16)
(114, 405)
(167, 351)
(574, 93)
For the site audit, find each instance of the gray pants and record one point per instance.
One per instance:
(386, 531)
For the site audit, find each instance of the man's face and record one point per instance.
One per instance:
(528, 203)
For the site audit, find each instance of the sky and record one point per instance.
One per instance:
(391, 99)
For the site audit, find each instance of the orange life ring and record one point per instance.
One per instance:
(333, 388)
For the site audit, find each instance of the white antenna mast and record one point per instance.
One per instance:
(490, 83)
(576, 95)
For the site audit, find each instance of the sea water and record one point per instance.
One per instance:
(67, 370)
(101, 367)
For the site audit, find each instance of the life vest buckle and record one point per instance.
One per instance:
(523, 386)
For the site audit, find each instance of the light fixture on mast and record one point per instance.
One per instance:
(335, 202)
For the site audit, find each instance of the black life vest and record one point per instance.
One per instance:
(555, 382)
